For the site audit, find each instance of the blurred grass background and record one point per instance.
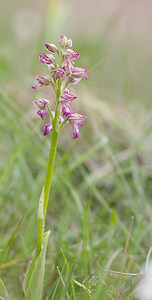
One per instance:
(103, 178)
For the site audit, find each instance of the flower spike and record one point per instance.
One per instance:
(62, 73)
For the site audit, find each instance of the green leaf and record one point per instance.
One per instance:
(3, 291)
(33, 283)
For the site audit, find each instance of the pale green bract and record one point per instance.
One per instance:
(33, 283)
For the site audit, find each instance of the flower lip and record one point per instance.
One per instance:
(47, 128)
(42, 113)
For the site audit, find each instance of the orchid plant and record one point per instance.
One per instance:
(62, 75)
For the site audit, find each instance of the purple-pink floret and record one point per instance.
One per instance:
(76, 74)
(42, 113)
(79, 73)
(67, 96)
(47, 128)
(47, 58)
(66, 110)
(59, 72)
(69, 56)
(42, 105)
(43, 80)
(74, 119)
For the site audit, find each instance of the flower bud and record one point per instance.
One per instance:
(62, 41)
(51, 47)
(73, 80)
(51, 67)
(79, 73)
(68, 43)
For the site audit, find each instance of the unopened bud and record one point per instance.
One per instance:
(51, 47)
(68, 43)
(79, 73)
(62, 41)
(73, 80)
(51, 67)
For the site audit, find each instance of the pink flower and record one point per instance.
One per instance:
(66, 110)
(67, 96)
(74, 119)
(43, 80)
(47, 128)
(76, 75)
(79, 73)
(69, 56)
(59, 72)
(47, 59)
(42, 105)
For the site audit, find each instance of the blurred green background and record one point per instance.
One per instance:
(103, 178)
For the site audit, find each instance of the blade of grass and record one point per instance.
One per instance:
(68, 269)
(61, 278)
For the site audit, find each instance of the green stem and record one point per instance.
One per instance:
(43, 203)
(47, 186)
